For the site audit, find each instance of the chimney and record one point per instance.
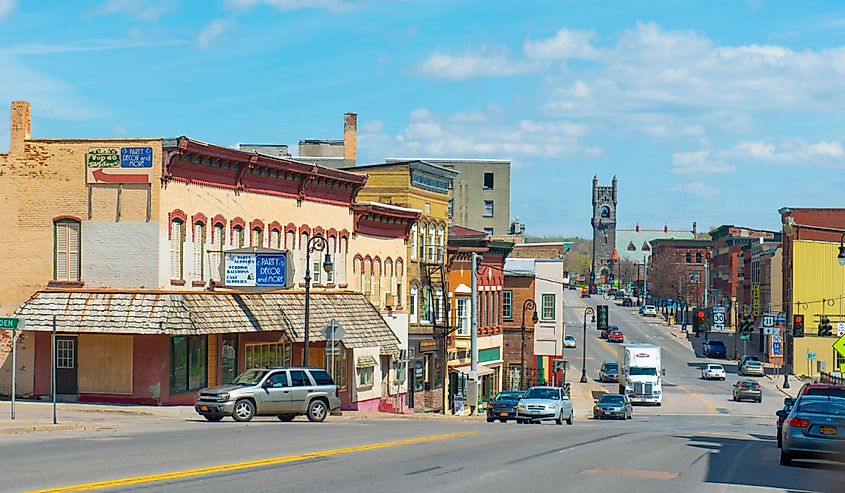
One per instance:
(638, 227)
(665, 227)
(20, 125)
(350, 136)
(694, 230)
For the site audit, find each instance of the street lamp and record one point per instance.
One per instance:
(316, 243)
(841, 256)
(587, 311)
(527, 305)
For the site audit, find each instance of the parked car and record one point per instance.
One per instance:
(713, 372)
(809, 389)
(619, 295)
(572, 287)
(503, 406)
(544, 404)
(628, 302)
(569, 341)
(613, 406)
(752, 367)
(649, 311)
(747, 390)
(746, 357)
(609, 371)
(282, 392)
(609, 328)
(813, 429)
(615, 336)
(715, 349)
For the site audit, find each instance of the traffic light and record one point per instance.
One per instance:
(636, 291)
(825, 329)
(798, 326)
(602, 317)
(746, 324)
(698, 321)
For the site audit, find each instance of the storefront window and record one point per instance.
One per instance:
(339, 374)
(267, 354)
(188, 363)
(229, 358)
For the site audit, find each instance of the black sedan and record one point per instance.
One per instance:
(503, 406)
(613, 406)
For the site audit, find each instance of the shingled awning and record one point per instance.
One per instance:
(171, 313)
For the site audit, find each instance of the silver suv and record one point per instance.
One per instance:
(282, 392)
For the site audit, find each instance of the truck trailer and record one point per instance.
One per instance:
(641, 373)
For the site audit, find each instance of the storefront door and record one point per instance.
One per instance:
(66, 365)
(229, 358)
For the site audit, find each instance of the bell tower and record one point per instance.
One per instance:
(604, 228)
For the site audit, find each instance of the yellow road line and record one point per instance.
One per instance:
(607, 347)
(244, 465)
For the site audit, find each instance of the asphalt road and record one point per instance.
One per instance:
(698, 441)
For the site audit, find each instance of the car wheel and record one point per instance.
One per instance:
(213, 417)
(558, 421)
(520, 422)
(760, 400)
(244, 410)
(780, 439)
(503, 421)
(317, 411)
(490, 420)
(735, 398)
(285, 418)
(785, 459)
(569, 420)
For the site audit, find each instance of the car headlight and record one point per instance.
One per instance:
(224, 397)
(520, 406)
(553, 406)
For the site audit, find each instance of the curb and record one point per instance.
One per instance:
(20, 430)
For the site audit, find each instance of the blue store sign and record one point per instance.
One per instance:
(270, 270)
(136, 157)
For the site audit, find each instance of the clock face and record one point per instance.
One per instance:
(604, 211)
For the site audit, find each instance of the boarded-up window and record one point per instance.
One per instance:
(177, 248)
(66, 250)
(105, 364)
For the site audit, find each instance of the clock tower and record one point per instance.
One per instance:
(604, 228)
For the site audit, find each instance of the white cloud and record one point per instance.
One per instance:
(486, 62)
(697, 188)
(286, 5)
(91, 45)
(564, 45)
(142, 10)
(7, 7)
(790, 152)
(212, 32)
(698, 163)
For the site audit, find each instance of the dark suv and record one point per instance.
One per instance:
(715, 349)
(282, 392)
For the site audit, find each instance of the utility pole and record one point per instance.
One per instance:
(645, 280)
(472, 387)
(706, 280)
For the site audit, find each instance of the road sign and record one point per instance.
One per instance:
(333, 331)
(9, 323)
(781, 318)
(744, 337)
(839, 346)
(768, 331)
(560, 364)
(769, 320)
(718, 319)
(811, 355)
(840, 329)
(776, 348)
(718, 309)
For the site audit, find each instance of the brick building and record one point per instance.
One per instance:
(118, 243)
(762, 291)
(519, 288)
(544, 249)
(812, 283)
(676, 269)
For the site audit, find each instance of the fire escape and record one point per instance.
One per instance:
(435, 276)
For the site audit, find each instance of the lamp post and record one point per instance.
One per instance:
(527, 305)
(587, 311)
(316, 243)
(841, 256)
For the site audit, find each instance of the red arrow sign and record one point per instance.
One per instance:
(100, 175)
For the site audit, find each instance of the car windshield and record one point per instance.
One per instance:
(652, 372)
(615, 400)
(250, 377)
(570, 338)
(749, 385)
(716, 344)
(715, 367)
(833, 407)
(753, 363)
(552, 394)
(835, 392)
(508, 396)
(611, 366)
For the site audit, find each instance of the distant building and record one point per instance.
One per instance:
(480, 197)
(604, 230)
(762, 289)
(676, 269)
(324, 152)
(633, 244)
(545, 249)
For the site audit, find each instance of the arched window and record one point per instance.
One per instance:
(290, 240)
(368, 278)
(238, 237)
(199, 251)
(413, 303)
(66, 248)
(177, 249)
(358, 271)
(425, 304)
(331, 248)
(698, 257)
(388, 276)
(414, 242)
(343, 252)
(399, 269)
(689, 257)
(257, 238)
(276, 239)
(422, 233)
(218, 236)
(432, 242)
(605, 211)
(376, 298)
(441, 238)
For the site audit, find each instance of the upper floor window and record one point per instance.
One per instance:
(238, 237)
(422, 233)
(276, 239)
(488, 181)
(605, 211)
(507, 305)
(451, 207)
(689, 257)
(412, 304)
(177, 249)
(441, 240)
(257, 237)
(488, 231)
(462, 315)
(414, 242)
(66, 248)
(698, 257)
(548, 307)
(199, 251)
(488, 208)
(432, 242)
(218, 235)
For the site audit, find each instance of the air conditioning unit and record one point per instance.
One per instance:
(390, 300)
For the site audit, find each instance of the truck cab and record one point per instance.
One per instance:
(641, 373)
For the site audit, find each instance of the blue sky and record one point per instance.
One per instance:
(715, 112)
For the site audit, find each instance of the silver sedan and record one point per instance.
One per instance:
(814, 429)
(713, 372)
(544, 404)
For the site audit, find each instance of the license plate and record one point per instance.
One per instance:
(828, 430)
(503, 414)
(203, 408)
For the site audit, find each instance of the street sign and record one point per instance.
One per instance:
(811, 355)
(560, 364)
(769, 321)
(776, 348)
(718, 309)
(840, 329)
(332, 350)
(839, 346)
(744, 337)
(333, 331)
(9, 323)
(768, 331)
(718, 319)
(781, 318)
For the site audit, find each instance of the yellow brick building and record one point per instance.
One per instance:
(425, 187)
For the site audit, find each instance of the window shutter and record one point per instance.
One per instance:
(73, 273)
(61, 252)
(199, 247)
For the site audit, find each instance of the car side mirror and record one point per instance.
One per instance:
(267, 384)
(788, 401)
(781, 413)
(664, 372)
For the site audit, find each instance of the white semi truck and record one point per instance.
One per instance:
(641, 373)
